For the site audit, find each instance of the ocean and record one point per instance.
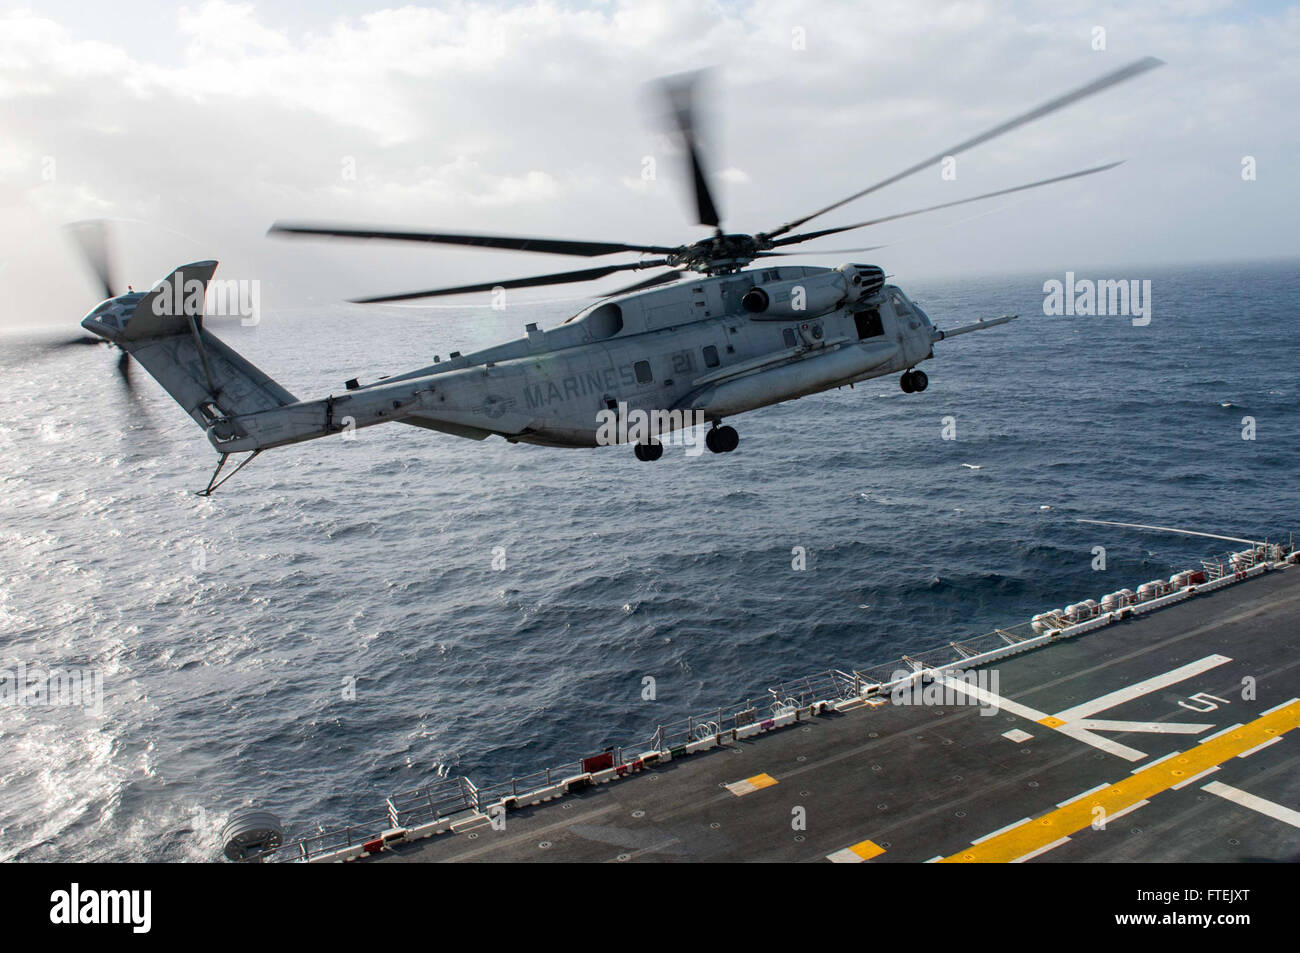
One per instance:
(345, 620)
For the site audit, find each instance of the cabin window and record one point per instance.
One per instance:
(711, 358)
(868, 322)
(788, 336)
(642, 369)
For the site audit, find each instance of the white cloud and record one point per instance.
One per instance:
(533, 118)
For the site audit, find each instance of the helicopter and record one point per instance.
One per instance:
(704, 339)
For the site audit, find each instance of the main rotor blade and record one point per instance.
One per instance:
(817, 251)
(680, 91)
(93, 239)
(1112, 78)
(550, 246)
(809, 236)
(560, 278)
(660, 279)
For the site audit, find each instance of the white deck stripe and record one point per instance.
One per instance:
(1139, 689)
(1194, 778)
(1271, 741)
(1245, 799)
(1291, 701)
(989, 698)
(1150, 727)
(1223, 732)
(1036, 716)
(1001, 830)
(1166, 757)
(1127, 810)
(1097, 741)
(1042, 850)
(1104, 784)
(844, 856)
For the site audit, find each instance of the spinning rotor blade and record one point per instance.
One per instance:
(93, 239)
(659, 279)
(551, 246)
(680, 91)
(817, 251)
(1112, 78)
(560, 278)
(809, 236)
(124, 368)
(72, 342)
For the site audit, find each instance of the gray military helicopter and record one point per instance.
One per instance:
(700, 350)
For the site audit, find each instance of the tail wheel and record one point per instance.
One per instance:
(648, 452)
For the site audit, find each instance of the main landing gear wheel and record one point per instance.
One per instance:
(913, 382)
(648, 452)
(722, 439)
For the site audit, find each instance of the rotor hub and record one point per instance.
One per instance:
(722, 254)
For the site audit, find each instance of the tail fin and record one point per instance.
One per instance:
(163, 330)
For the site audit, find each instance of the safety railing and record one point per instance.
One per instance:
(432, 802)
(324, 842)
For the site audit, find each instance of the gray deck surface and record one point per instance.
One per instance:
(925, 781)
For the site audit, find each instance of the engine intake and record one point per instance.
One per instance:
(864, 280)
(755, 301)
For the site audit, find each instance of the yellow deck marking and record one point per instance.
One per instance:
(857, 853)
(1051, 721)
(1124, 795)
(750, 785)
(867, 849)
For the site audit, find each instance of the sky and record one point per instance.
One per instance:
(193, 127)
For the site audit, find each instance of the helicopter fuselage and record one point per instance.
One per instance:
(691, 353)
(697, 346)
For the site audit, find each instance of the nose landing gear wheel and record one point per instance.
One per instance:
(905, 382)
(722, 439)
(648, 452)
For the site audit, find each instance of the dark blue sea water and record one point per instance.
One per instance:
(225, 628)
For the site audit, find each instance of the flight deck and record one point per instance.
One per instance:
(1157, 738)
(1154, 725)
